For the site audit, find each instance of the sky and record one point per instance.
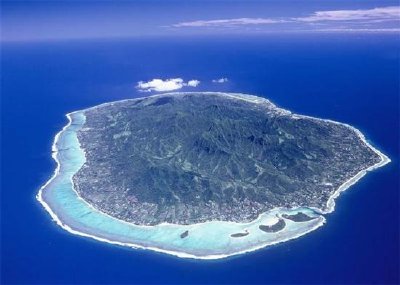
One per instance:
(65, 20)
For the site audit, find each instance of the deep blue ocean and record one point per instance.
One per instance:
(348, 78)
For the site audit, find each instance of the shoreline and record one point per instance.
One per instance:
(321, 219)
(330, 205)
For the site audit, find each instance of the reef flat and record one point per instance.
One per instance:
(143, 187)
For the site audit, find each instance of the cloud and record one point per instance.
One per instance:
(227, 22)
(160, 85)
(366, 30)
(220, 80)
(391, 13)
(385, 19)
(193, 83)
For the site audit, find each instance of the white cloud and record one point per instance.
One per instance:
(391, 13)
(366, 30)
(227, 22)
(160, 85)
(220, 80)
(193, 83)
(386, 19)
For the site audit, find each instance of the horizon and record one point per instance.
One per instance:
(58, 21)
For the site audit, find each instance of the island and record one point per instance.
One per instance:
(298, 217)
(278, 226)
(184, 234)
(145, 172)
(238, 235)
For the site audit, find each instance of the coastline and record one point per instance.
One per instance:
(321, 220)
(330, 205)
